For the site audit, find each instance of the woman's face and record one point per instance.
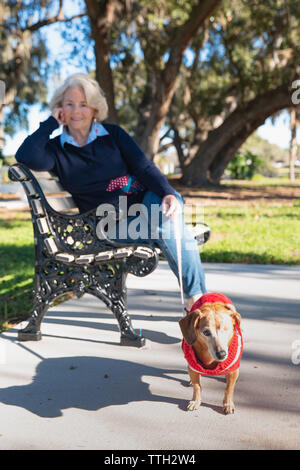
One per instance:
(77, 115)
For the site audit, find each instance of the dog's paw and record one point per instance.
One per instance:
(228, 408)
(193, 405)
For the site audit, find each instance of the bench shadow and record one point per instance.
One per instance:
(88, 383)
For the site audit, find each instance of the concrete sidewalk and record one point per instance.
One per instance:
(79, 389)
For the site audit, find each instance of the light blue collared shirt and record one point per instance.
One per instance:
(97, 130)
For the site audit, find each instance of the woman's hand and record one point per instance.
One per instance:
(58, 114)
(170, 205)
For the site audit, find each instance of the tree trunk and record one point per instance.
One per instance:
(224, 157)
(160, 90)
(146, 133)
(223, 142)
(293, 144)
(101, 17)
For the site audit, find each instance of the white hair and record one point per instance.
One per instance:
(94, 95)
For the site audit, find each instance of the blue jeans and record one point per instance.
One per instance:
(160, 233)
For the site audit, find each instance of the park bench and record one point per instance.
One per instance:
(70, 257)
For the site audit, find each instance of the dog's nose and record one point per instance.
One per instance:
(221, 355)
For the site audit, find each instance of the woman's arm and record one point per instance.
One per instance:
(35, 151)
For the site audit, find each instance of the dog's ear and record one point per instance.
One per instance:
(234, 314)
(188, 325)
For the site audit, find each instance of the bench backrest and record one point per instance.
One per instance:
(58, 198)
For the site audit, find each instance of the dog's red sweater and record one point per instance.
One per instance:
(235, 349)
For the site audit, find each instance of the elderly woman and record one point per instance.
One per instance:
(99, 162)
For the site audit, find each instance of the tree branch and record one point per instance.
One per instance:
(185, 33)
(237, 126)
(59, 17)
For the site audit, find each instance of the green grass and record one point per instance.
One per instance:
(259, 234)
(262, 181)
(16, 268)
(246, 234)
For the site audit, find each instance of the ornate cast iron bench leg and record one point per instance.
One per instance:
(32, 332)
(116, 300)
(107, 282)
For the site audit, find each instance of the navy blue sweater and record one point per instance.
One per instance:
(86, 171)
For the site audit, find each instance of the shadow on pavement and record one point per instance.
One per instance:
(87, 383)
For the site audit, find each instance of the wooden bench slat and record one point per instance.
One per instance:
(58, 198)
(50, 186)
(61, 204)
(48, 175)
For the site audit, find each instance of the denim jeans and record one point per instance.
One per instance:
(159, 231)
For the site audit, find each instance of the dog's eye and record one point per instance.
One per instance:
(206, 332)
